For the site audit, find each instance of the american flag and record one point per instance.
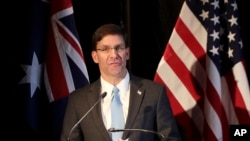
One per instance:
(204, 72)
(55, 65)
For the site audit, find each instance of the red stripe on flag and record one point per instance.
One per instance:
(191, 132)
(215, 101)
(191, 42)
(183, 73)
(237, 99)
(59, 5)
(71, 41)
(54, 71)
(207, 134)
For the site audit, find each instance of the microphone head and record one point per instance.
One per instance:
(103, 95)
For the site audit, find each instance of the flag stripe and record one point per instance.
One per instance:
(179, 100)
(180, 70)
(70, 38)
(190, 41)
(192, 24)
(185, 120)
(241, 100)
(239, 72)
(65, 43)
(55, 80)
(76, 50)
(203, 72)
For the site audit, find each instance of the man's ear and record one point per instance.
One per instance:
(94, 56)
(128, 53)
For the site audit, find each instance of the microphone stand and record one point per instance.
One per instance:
(163, 137)
(101, 97)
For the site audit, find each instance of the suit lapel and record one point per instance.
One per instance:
(136, 97)
(96, 112)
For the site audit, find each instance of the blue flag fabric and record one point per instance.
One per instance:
(51, 66)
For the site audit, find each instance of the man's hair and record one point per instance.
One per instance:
(108, 29)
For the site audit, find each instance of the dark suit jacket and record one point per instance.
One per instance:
(149, 109)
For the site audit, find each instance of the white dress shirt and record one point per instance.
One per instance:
(124, 88)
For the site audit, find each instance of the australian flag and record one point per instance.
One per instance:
(52, 66)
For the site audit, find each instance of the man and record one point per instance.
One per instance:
(144, 104)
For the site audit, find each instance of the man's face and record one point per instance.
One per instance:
(111, 56)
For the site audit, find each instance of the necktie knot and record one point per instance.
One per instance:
(115, 90)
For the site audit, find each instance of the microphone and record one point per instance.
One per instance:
(99, 99)
(140, 130)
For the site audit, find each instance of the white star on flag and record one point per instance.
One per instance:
(33, 75)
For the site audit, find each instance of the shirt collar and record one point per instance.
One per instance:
(123, 85)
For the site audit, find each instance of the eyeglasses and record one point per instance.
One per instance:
(118, 49)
